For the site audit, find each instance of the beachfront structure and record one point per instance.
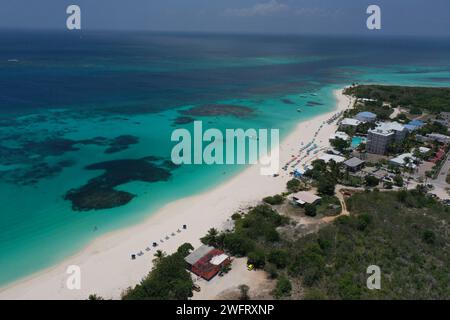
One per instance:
(404, 160)
(207, 261)
(379, 138)
(354, 164)
(366, 116)
(328, 157)
(349, 123)
(305, 197)
(340, 135)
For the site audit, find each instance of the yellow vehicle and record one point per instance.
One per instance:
(250, 267)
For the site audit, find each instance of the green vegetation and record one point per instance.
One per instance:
(293, 185)
(168, 280)
(340, 145)
(405, 233)
(257, 258)
(398, 180)
(433, 127)
(310, 210)
(329, 206)
(276, 199)
(283, 287)
(255, 231)
(371, 181)
(383, 112)
(352, 181)
(326, 176)
(211, 238)
(417, 99)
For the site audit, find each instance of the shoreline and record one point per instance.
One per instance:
(106, 265)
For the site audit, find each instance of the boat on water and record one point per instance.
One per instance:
(299, 110)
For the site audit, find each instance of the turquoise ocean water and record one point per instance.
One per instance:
(62, 92)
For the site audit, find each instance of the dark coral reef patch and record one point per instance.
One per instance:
(100, 193)
(183, 120)
(213, 110)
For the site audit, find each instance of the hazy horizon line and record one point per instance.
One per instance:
(229, 32)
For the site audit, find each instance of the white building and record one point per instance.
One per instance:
(442, 138)
(383, 135)
(404, 160)
(328, 157)
(424, 150)
(304, 197)
(350, 123)
(340, 135)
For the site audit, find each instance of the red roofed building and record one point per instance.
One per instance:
(207, 261)
(439, 155)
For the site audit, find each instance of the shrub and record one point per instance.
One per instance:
(169, 280)
(293, 185)
(237, 244)
(278, 257)
(276, 199)
(310, 210)
(371, 181)
(429, 237)
(283, 287)
(326, 185)
(257, 258)
(236, 216)
(398, 180)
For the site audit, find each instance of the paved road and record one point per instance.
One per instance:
(440, 185)
(442, 176)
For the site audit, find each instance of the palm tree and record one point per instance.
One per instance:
(211, 237)
(159, 255)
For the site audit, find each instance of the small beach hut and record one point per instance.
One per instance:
(207, 261)
(304, 197)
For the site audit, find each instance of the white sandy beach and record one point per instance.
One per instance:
(106, 267)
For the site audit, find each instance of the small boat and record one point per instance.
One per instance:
(299, 110)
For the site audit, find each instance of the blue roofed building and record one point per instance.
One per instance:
(414, 125)
(417, 123)
(366, 116)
